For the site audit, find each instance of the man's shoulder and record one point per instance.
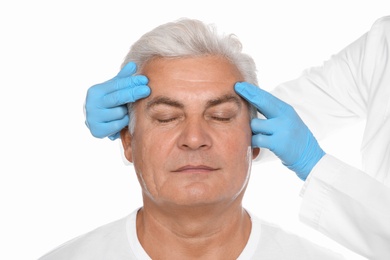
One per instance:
(279, 241)
(90, 245)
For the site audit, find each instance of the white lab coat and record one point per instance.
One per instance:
(349, 205)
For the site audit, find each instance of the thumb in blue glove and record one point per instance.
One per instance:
(105, 105)
(283, 131)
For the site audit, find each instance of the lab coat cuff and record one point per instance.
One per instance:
(316, 189)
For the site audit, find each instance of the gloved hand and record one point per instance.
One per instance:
(105, 105)
(283, 132)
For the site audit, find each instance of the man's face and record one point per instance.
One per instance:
(191, 143)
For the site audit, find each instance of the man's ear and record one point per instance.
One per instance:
(126, 143)
(255, 153)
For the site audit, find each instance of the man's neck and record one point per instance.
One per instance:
(193, 233)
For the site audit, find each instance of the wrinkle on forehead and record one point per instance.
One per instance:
(164, 100)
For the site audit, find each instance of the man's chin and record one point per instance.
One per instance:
(198, 197)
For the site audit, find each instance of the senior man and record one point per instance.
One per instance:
(191, 151)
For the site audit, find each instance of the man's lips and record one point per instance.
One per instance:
(195, 169)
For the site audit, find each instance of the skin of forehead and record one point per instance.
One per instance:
(187, 75)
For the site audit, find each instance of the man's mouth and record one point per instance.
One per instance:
(195, 169)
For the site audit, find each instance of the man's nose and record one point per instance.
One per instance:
(194, 135)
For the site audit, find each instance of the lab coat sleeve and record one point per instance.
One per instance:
(342, 202)
(349, 206)
(329, 97)
(337, 93)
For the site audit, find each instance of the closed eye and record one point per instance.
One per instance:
(222, 119)
(166, 120)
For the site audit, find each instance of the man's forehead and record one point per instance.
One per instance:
(206, 80)
(196, 70)
(180, 103)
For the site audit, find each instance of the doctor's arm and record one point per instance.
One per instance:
(347, 204)
(340, 201)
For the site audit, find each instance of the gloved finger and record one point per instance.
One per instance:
(267, 104)
(114, 136)
(132, 81)
(110, 128)
(118, 125)
(107, 115)
(116, 84)
(263, 141)
(263, 126)
(128, 70)
(124, 96)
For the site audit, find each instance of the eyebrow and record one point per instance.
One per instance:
(163, 100)
(224, 99)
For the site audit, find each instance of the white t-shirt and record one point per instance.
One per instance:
(118, 240)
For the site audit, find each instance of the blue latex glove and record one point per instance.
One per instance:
(283, 132)
(105, 105)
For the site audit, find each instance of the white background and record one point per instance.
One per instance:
(57, 181)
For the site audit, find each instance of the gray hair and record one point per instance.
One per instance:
(190, 38)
